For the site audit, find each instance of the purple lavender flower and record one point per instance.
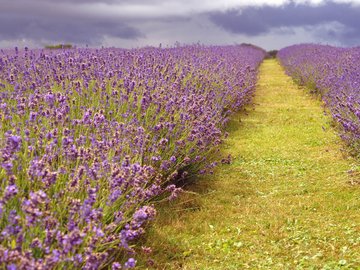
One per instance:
(11, 267)
(333, 73)
(10, 191)
(116, 266)
(104, 132)
(131, 263)
(8, 166)
(1, 208)
(33, 116)
(14, 142)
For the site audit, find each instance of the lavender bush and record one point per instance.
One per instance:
(88, 138)
(334, 73)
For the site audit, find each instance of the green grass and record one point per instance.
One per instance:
(288, 200)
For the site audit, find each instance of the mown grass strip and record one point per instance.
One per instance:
(287, 201)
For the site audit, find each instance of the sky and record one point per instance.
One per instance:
(271, 24)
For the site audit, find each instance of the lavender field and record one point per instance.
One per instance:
(89, 138)
(334, 73)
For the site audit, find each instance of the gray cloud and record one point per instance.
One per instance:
(255, 21)
(132, 23)
(117, 2)
(47, 22)
(63, 29)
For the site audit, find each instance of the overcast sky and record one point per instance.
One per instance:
(135, 23)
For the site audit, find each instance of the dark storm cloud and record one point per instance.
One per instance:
(107, 1)
(62, 29)
(255, 21)
(49, 22)
(142, 22)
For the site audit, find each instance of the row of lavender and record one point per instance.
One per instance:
(88, 138)
(334, 73)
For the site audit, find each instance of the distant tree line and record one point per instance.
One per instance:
(271, 54)
(59, 46)
(252, 45)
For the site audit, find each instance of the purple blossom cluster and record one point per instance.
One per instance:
(334, 73)
(89, 137)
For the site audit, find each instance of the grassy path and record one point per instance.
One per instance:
(285, 202)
